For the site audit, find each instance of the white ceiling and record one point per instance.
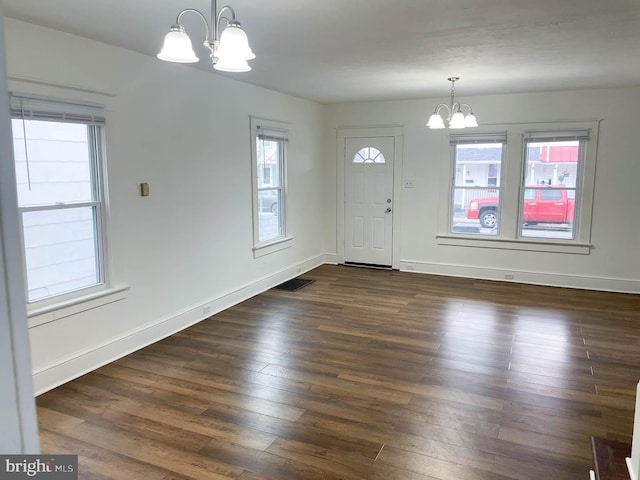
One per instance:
(358, 50)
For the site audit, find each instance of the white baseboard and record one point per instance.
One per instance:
(79, 363)
(630, 468)
(331, 258)
(520, 276)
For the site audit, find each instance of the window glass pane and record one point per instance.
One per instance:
(60, 251)
(551, 174)
(268, 156)
(476, 210)
(53, 164)
(478, 165)
(269, 214)
(369, 155)
(476, 192)
(553, 194)
(269, 190)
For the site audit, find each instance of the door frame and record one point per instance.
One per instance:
(359, 132)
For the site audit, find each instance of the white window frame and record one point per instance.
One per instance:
(36, 107)
(512, 191)
(582, 136)
(462, 139)
(279, 131)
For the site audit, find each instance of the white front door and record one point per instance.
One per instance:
(369, 200)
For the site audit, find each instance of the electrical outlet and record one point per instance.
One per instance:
(409, 267)
(206, 310)
(509, 276)
(408, 183)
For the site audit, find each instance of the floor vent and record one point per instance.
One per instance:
(294, 284)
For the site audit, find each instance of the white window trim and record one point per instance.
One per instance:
(508, 236)
(91, 114)
(272, 245)
(41, 314)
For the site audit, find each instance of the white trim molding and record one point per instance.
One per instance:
(65, 369)
(583, 282)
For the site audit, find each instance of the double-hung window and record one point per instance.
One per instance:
(475, 190)
(58, 150)
(525, 188)
(269, 160)
(553, 166)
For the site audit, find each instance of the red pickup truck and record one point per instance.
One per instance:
(541, 205)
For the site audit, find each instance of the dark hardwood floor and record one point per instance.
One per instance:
(365, 374)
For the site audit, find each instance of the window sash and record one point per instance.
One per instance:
(32, 107)
(550, 137)
(467, 193)
(269, 225)
(98, 249)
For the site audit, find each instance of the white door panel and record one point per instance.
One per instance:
(368, 200)
(358, 233)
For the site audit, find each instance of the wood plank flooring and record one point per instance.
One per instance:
(365, 375)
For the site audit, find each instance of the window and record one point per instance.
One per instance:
(58, 160)
(269, 152)
(475, 191)
(553, 166)
(525, 189)
(369, 155)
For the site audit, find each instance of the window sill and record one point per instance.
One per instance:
(272, 247)
(508, 244)
(40, 315)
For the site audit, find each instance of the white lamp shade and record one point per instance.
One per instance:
(457, 121)
(234, 44)
(177, 47)
(226, 64)
(435, 121)
(470, 120)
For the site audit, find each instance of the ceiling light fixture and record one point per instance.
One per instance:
(455, 117)
(229, 50)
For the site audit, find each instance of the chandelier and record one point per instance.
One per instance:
(455, 116)
(229, 50)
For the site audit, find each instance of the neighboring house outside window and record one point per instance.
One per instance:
(269, 172)
(58, 150)
(524, 187)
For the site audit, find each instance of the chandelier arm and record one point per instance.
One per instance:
(201, 15)
(437, 110)
(466, 105)
(220, 17)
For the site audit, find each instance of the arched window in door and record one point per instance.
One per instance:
(369, 155)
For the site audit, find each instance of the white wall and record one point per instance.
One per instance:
(189, 244)
(613, 263)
